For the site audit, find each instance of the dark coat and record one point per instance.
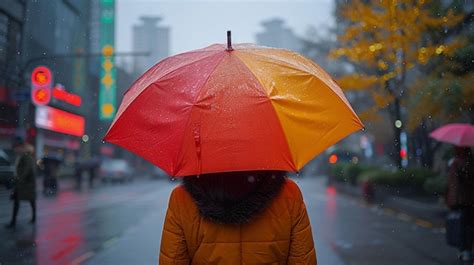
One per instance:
(460, 190)
(25, 181)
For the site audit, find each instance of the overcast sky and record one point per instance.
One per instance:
(197, 23)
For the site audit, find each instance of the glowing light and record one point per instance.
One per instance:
(440, 49)
(60, 121)
(355, 160)
(398, 124)
(60, 94)
(41, 76)
(333, 159)
(108, 50)
(403, 153)
(331, 190)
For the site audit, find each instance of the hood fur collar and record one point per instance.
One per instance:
(239, 212)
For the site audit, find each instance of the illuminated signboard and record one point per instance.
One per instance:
(41, 80)
(61, 94)
(60, 121)
(107, 91)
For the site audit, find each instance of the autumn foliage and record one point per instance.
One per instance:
(384, 40)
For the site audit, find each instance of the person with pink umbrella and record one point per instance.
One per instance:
(460, 188)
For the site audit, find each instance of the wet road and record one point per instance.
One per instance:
(121, 224)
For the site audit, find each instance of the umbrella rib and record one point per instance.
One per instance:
(212, 52)
(164, 76)
(190, 113)
(293, 165)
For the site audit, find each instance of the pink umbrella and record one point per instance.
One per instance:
(459, 134)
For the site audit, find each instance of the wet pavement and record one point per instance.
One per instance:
(121, 224)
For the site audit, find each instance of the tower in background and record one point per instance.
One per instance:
(276, 34)
(152, 38)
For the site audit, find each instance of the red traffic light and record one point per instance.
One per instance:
(333, 159)
(41, 76)
(41, 96)
(403, 153)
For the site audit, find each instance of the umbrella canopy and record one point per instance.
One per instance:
(459, 134)
(222, 109)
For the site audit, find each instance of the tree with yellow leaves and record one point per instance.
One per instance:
(384, 39)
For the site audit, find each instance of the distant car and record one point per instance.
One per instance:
(158, 173)
(7, 169)
(115, 170)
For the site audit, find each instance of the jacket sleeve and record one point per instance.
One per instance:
(302, 249)
(173, 248)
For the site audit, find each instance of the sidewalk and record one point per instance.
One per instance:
(429, 214)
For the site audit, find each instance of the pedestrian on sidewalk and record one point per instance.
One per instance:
(24, 181)
(254, 217)
(460, 197)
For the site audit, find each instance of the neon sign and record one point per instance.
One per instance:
(61, 94)
(60, 121)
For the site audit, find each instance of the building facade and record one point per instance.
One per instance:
(152, 38)
(276, 34)
(12, 14)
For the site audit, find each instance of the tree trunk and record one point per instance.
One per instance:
(428, 151)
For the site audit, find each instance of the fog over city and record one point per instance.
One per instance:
(195, 24)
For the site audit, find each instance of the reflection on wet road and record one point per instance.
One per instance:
(121, 224)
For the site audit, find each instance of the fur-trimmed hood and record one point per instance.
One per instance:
(230, 211)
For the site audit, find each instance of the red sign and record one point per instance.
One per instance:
(60, 93)
(41, 79)
(60, 121)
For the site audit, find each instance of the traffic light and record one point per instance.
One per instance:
(403, 153)
(41, 80)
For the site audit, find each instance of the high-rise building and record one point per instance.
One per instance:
(152, 38)
(276, 34)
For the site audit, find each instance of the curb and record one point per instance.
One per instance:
(426, 215)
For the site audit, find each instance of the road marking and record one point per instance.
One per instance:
(423, 223)
(82, 258)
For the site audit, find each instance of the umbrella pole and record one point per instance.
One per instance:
(229, 41)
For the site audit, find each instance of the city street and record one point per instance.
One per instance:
(121, 224)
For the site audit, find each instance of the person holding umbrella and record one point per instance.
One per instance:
(232, 121)
(460, 188)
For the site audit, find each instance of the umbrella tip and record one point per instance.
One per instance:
(229, 41)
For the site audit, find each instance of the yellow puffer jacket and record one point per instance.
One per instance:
(280, 234)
